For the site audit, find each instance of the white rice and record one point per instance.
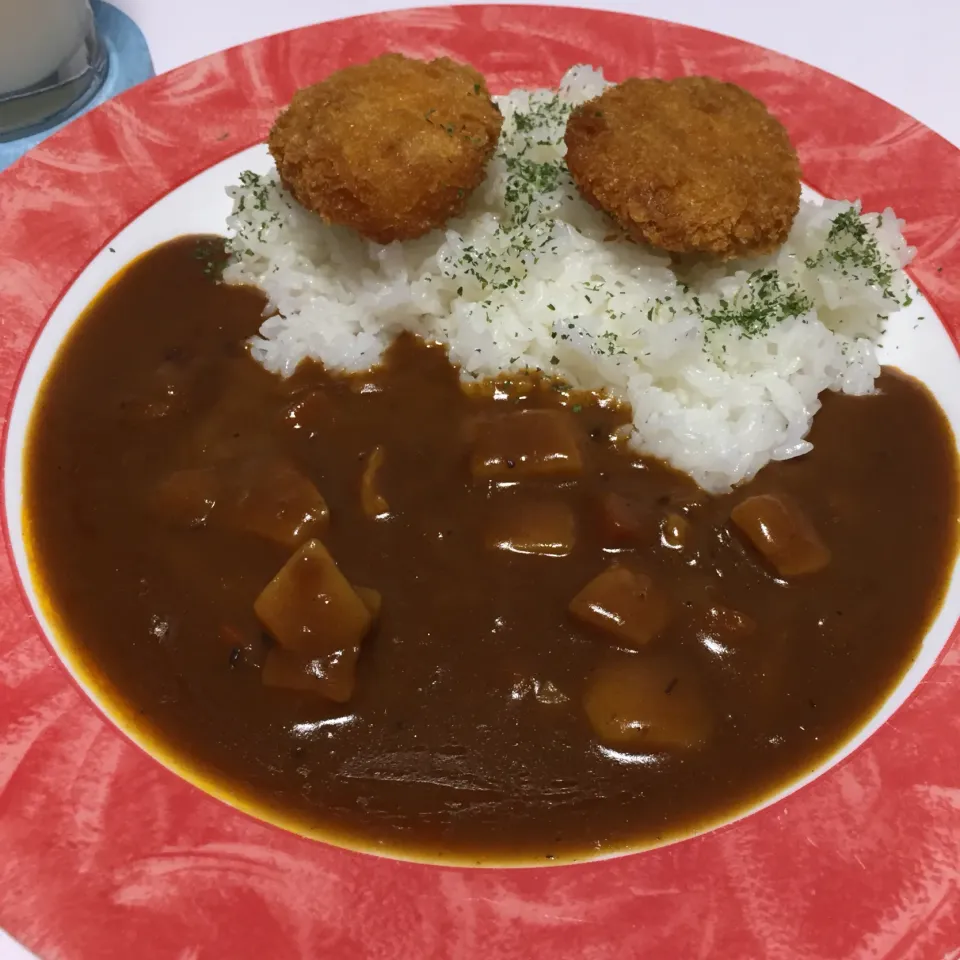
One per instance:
(722, 365)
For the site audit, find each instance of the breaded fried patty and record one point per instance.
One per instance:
(692, 165)
(391, 148)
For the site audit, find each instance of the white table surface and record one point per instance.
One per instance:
(903, 52)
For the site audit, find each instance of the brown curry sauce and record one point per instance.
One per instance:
(468, 733)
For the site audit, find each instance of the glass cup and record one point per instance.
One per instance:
(51, 63)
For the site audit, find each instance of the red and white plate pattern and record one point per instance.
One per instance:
(104, 853)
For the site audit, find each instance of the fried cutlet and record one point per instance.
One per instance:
(692, 165)
(392, 148)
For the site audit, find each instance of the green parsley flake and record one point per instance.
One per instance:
(764, 300)
(852, 249)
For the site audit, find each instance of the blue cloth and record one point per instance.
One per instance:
(128, 63)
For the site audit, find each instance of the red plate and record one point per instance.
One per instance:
(106, 854)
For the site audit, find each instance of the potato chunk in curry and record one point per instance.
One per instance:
(332, 676)
(265, 496)
(627, 606)
(530, 443)
(274, 500)
(780, 530)
(645, 703)
(186, 498)
(372, 600)
(544, 528)
(310, 608)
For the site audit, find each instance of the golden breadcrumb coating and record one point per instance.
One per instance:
(392, 148)
(692, 165)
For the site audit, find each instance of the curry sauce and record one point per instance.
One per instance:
(494, 709)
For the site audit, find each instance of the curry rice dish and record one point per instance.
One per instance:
(462, 621)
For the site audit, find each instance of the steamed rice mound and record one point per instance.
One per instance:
(392, 148)
(722, 363)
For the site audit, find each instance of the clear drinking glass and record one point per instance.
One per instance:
(51, 62)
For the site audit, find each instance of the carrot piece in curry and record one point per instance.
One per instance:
(625, 521)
